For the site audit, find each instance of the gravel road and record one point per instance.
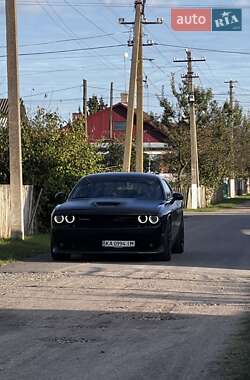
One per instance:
(128, 319)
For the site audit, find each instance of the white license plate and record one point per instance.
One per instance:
(118, 243)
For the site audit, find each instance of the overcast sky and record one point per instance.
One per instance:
(54, 80)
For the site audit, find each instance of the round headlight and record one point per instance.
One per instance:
(59, 219)
(70, 219)
(154, 219)
(142, 219)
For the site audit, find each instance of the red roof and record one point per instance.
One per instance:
(98, 125)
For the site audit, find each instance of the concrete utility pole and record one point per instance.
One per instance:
(132, 85)
(232, 186)
(195, 182)
(139, 113)
(16, 181)
(136, 74)
(85, 105)
(111, 110)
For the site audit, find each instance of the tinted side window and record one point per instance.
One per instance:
(167, 190)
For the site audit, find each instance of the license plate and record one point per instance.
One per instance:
(118, 243)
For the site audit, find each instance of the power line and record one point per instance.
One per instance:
(51, 91)
(87, 18)
(71, 31)
(90, 4)
(67, 50)
(64, 40)
(68, 88)
(124, 5)
(54, 21)
(206, 49)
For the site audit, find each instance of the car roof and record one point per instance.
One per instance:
(123, 175)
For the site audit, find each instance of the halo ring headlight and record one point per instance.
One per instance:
(142, 219)
(154, 219)
(59, 219)
(70, 219)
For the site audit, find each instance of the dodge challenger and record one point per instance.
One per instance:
(128, 213)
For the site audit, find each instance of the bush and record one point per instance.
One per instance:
(55, 156)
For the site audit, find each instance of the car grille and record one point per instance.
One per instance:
(107, 221)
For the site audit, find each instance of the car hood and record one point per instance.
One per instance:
(110, 206)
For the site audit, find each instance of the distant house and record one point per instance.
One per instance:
(4, 109)
(98, 126)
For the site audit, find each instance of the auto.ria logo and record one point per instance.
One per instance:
(226, 20)
(206, 19)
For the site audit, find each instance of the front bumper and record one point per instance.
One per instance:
(89, 241)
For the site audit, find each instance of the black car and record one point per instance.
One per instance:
(128, 213)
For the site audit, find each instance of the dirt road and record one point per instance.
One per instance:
(103, 319)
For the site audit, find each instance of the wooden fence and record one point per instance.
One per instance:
(5, 224)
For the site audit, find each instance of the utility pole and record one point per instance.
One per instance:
(132, 85)
(15, 148)
(136, 76)
(231, 104)
(195, 182)
(111, 110)
(85, 105)
(139, 113)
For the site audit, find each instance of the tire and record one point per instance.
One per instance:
(178, 246)
(166, 255)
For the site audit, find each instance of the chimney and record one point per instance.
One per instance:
(124, 97)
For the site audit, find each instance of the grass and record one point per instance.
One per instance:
(229, 203)
(233, 202)
(12, 250)
(235, 364)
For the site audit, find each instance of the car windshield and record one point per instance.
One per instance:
(118, 188)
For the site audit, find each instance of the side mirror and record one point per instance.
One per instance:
(60, 197)
(177, 197)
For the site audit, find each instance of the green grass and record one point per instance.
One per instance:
(12, 250)
(235, 364)
(230, 203)
(233, 202)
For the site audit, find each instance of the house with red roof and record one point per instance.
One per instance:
(98, 128)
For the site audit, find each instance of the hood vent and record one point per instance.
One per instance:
(107, 204)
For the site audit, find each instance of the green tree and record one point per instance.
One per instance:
(112, 155)
(95, 105)
(55, 156)
(213, 134)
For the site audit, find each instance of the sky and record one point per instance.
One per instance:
(54, 80)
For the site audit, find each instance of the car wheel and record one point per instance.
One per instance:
(178, 246)
(60, 257)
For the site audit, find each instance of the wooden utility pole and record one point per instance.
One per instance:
(111, 110)
(85, 105)
(136, 75)
(16, 181)
(139, 112)
(232, 186)
(195, 182)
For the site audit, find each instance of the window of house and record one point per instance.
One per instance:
(119, 125)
